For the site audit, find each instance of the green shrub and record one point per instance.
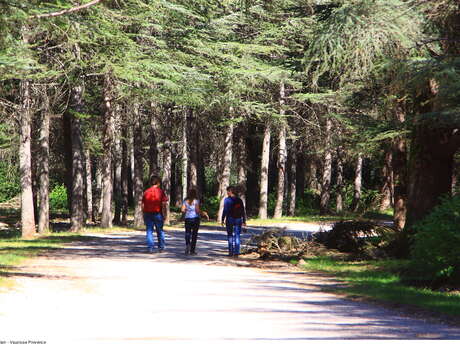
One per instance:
(58, 198)
(435, 253)
(211, 205)
(9, 182)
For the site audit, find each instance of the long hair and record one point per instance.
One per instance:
(192, 195)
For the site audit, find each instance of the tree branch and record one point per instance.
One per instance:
(69, 10)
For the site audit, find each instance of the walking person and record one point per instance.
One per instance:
(192, 211)
(153, 205)
(234, 218)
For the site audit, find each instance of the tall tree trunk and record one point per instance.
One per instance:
(225, 166)
(43, 168)
(312, 182)
(327, 171)
(138, 180)
(301, 172)
(124, 172)
(89, 185)
(97, 209)
(107, 144)
(293, 180)
(263, 203)
(25, 162)
(193, 150)
(357, 183)
(429, 171)
(387, 188)
(167, 163)
(339, 189)
(184, 175)
(77, 205)
(153, 144)
(282, 157)
(241, 156)
(117, 165)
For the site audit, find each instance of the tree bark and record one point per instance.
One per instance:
(117, 155)
(184, 175)
(124, 171)
(107, 144)
(193, 150)
(339, 185)
(77, 206)
(293, 180)
(89, 185)
(282, 156)
(357, 183)
(43, 169)
(138, 180)
(263, 203)
(97, 209)
(167, 163)
(153, 145)
(387, 188)
(327, 171)
(429, 171)
(241, 156)
(225, 166)
(25, 162)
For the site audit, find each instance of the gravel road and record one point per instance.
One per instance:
(111, 291)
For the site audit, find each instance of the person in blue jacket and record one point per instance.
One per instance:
(233, 218)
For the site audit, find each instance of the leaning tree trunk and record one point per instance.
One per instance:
(167, 164)
(43, 169)
(107, 145)
(138, 180)
(387, 188)
(327, 171)
(357, 183)
(263, 204)
(293, 180)
(77, 205)
(225, 166)
(25, 162)
(339, 185)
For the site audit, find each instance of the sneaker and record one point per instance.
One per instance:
(193, 253)
(187, 250)
(150, 250)
(160, 250)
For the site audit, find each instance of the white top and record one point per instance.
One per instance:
(190, 211)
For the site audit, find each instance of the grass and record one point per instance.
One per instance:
(379, 281)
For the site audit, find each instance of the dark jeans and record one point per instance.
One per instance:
(154, 220)
(191, 232)
(233, 226)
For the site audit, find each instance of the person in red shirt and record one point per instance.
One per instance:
(153, 205)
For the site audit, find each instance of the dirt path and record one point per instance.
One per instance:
(110, 291)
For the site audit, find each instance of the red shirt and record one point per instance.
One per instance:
(153, 198)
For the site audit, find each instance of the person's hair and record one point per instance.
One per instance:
(154, 180)
(232, 189)
(192, 194)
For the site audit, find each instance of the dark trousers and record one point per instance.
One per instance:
(191, 232)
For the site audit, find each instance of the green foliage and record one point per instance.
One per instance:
(435, 250)
(211, 205)
(58, 198)
(9, 182)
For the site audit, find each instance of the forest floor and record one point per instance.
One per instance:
(109, 290)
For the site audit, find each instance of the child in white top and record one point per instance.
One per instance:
(192, 211)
